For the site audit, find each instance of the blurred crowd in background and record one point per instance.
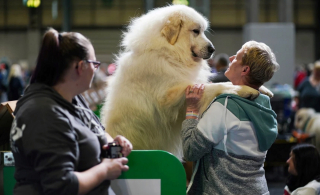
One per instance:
(15, 77)
(287, 99)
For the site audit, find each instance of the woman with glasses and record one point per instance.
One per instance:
(57, 142)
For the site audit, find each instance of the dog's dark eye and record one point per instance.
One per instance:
(196, 31)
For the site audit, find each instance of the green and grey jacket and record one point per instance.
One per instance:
(229, 145)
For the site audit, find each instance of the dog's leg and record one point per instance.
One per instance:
(262, 89)
(212, 90)
(266, 91)
(174, 96)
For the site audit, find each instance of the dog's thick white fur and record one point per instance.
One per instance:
(308, 120)
(164, 52)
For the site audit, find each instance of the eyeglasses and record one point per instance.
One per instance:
(96, 64)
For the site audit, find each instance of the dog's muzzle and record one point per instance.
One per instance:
(205, 52)
(210, 50)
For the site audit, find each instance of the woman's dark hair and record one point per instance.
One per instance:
(57, 52)
(307, 165)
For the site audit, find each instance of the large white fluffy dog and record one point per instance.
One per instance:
(164, 52)
(308, 120)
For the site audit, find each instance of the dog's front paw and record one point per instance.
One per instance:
(247, 92)
(266, 91)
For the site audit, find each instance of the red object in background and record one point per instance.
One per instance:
(286, 192)
(299, 78)
(301, 137)
(111, 68)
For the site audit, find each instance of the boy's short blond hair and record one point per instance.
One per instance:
(261, 60)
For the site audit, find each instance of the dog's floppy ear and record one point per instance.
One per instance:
(172, 29)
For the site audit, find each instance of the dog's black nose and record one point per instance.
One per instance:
(211, 49)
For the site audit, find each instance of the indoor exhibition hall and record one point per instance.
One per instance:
(160, 97)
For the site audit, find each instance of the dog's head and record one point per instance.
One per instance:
(302, 116)
(186, 27)
(173, 28)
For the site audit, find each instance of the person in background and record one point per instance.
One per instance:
(2, 87)
(111, 69)
(212, 66)
(4, 72)
(15, 83)
(229, 141)
(309, 90)
(221, 65)
(26, 71)
(300, 75)
(100, 75)
(58, 143)
(304, 170)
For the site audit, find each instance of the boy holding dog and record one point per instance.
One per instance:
(229, 141)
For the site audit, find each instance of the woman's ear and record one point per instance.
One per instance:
(79, 66)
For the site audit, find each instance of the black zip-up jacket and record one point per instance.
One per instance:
(50, 139)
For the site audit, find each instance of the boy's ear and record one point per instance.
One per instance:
(245, 70)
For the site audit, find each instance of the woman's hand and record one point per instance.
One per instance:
(124, 143)
(108, 169)
(193, 96)
(114, 167)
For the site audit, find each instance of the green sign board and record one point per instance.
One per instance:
(145, 166)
